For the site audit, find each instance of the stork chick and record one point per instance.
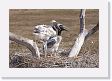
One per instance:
(52, 44)
(43, 33)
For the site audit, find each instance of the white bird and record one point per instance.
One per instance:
(43, 33)
(52, 45)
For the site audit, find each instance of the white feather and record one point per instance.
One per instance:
(44, 32)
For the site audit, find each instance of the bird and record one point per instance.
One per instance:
(43, 33)
(52, 44)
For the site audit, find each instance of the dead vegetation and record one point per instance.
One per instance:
(22, 23)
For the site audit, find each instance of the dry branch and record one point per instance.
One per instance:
(93, 30)
(30, 44)
(82, 20)
(78, 44)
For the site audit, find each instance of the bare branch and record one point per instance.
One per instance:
(80, 40)
(84, 34)
(30, 44)
(82, 20)
(93, 30)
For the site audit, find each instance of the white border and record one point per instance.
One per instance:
(102, 71)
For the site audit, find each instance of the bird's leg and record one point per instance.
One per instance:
(51, 54)
(45, 49)
(55, 53)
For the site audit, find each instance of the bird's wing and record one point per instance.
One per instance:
(50, 43)
(51, 31)
(39, 29)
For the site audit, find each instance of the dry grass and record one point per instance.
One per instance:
(22, 23)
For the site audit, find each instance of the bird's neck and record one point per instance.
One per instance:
(59, 38)
(59, 33)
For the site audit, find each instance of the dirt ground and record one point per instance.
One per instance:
(23, 21)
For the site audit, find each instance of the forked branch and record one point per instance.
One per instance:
(84, 34)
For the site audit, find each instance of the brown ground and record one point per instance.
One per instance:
(22, 23)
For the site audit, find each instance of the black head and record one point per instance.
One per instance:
(60, 28)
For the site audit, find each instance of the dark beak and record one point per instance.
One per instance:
(65, 29)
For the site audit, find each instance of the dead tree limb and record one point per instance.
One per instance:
(84, 34)
(30, 44)
(92, 31)
(82, 20)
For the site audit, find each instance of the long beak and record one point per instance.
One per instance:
(65, 29)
